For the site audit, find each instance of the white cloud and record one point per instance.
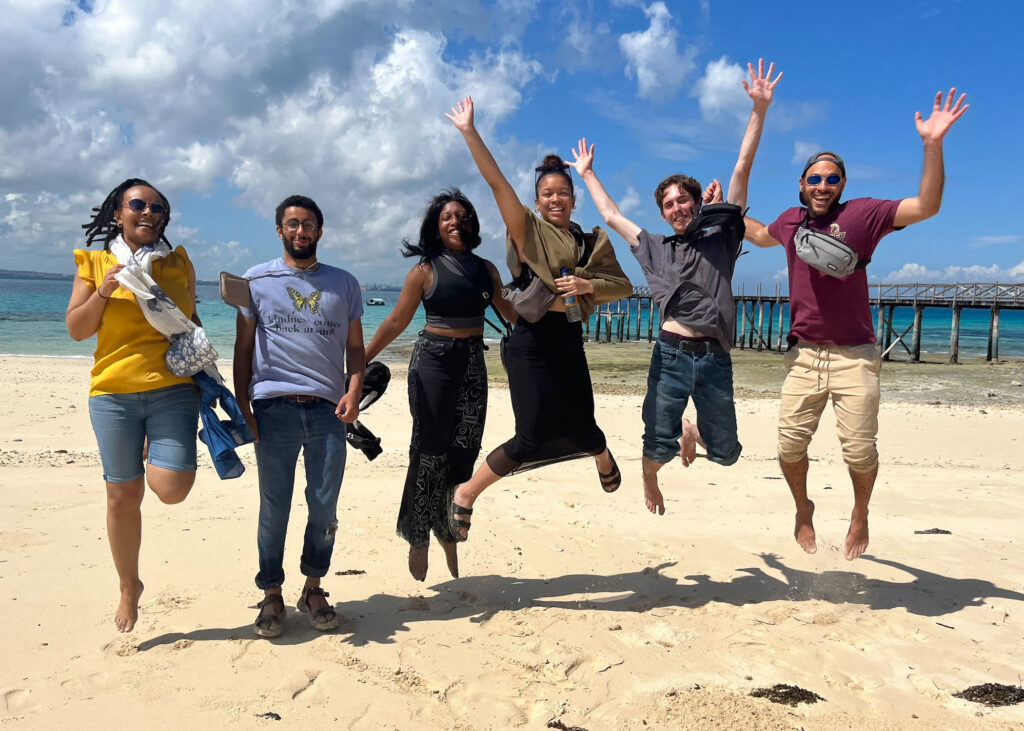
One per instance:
(630, 202)
(918, 273)
(802, 151)
(782, 275)
(979, 241)
(653, 57)
(720, 91)
(325, 99)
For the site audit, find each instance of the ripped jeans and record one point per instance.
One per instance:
(286, 427)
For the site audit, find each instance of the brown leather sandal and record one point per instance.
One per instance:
(324, 618)
(270, 621)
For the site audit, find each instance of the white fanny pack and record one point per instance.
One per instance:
(826, 253)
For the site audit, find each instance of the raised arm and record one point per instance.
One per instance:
(932, 130)
(511, 209)
(584, 163)
(416, 283)
(757, 233)
(760, 90)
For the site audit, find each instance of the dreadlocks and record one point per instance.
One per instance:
(103, 226)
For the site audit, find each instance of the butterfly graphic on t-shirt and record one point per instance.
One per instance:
(313, 300)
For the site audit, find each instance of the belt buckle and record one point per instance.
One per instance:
(304, 399)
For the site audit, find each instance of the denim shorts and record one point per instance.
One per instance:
(122, 421)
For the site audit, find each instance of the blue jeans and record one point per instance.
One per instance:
(287, 426)
(675, 377)
(122, 421)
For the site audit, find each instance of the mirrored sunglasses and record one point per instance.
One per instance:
(829, 179)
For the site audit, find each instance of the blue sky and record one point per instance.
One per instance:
(230, 106)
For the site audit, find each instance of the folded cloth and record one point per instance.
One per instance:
(190, 351)
(221, 437)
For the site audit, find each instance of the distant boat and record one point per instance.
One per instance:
(375, 301)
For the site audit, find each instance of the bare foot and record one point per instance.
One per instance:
(688, 442)
(857, 536)
(128, 608)
(804, 532)
(418, 562)
(652, 495)
(451, 554)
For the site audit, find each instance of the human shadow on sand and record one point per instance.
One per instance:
(380, 617)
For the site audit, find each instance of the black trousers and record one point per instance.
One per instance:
(448, 401)
(552, 396)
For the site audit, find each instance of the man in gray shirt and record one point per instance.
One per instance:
(690, 276)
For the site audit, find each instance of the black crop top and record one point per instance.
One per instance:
(461, 291)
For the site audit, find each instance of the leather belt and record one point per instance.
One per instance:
(687, 345)
(303, 398)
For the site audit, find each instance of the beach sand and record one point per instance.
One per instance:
(575, 608)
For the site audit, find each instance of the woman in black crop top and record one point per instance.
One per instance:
(447, 376)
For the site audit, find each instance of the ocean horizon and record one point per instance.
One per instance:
(32, 323)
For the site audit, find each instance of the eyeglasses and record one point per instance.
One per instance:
(138, 205)
(293, 226)
(829, 179)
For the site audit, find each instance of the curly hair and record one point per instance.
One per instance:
(299, 201)
(685, 182)
(551, 165)
(103, 226)
(429, 245)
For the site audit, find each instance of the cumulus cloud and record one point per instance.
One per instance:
(630, 202)
(328, 99)
(720, 91)
(920, 274)
(653, 57)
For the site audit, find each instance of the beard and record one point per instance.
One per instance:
(307, 252)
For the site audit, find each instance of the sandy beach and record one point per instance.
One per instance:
(574, 609)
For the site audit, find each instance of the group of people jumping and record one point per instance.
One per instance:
(299, 356)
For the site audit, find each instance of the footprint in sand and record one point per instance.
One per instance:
(182, 644)
(18, 700)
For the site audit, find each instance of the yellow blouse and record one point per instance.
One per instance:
(129, 351)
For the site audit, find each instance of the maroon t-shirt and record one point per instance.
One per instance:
(825, 310)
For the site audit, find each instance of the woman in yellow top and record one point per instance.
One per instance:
(548, 377)
(134, 401)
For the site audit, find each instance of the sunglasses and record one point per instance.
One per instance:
(829, 179)
(138, 205)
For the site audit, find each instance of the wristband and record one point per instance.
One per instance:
(101, 295)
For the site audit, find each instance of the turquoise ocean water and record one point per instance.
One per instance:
(32, 323)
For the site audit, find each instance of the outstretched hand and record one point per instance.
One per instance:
(462, 114)
(942, 117)
(761, 86)
(583, 157)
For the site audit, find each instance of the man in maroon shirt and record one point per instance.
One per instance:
(832, 349)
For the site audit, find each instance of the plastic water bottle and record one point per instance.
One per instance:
(572, 307)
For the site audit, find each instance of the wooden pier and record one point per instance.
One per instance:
(761, 318)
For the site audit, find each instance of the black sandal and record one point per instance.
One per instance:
(324, 618)
(611, 481)
(271, 623)
(456, 524)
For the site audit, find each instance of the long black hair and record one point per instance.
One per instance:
(103, 226)
(429, 245)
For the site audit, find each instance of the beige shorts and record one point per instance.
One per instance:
(850, 376)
